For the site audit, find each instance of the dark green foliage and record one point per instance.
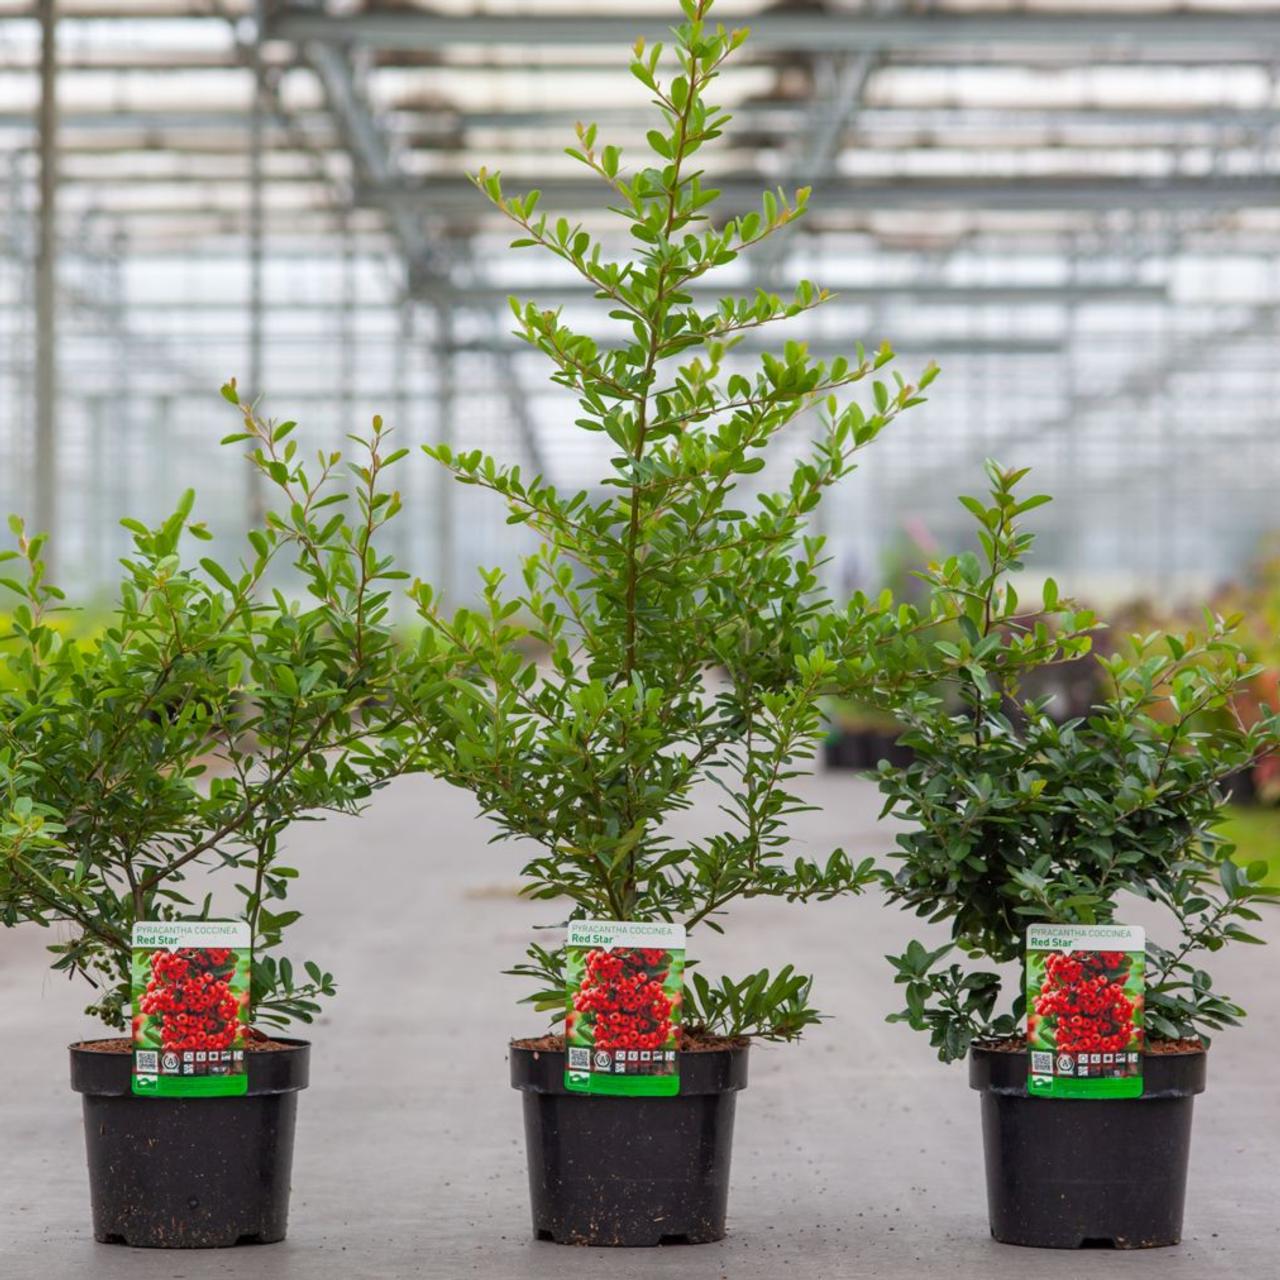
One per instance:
(1018, 819)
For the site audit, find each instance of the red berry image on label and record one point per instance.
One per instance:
(622, 992)
(1083, 998)
(190, 993)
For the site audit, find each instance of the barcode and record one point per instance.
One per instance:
(148, 1061)
(1041, 1063)
(580, 1059)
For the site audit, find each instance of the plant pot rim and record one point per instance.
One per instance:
(105, 1073)
(1147, 1055)
(709, 1071)
(1165, 1075)
(85, 1046)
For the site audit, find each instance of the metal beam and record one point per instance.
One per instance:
(255, 498)
(822, 346)
(148, 120)
(754, 116)
(838, 194)
(1140, 385)
(426, 269)
(174, 60)
(445, 495)
(796, 32)
(991, 247)
(829, 116)
(111, 133)
(376, 162)
(46, 277)
(506, 348)
(1003, 190)
(928, 292)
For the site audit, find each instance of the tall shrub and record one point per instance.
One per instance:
(688, 634)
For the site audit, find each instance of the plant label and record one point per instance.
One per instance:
(190, 984)
(1084, 993)
(623, 980)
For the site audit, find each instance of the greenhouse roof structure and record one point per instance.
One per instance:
(1074, 210)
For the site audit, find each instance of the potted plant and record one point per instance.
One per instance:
(690, 642)
(1018, 822)
(150, 771)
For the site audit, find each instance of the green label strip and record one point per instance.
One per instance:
(190, 1086)
(1064, 1087)
(622, 1086)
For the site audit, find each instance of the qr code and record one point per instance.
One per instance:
(148, 1061)
(580, 1059)
(1041, 1063)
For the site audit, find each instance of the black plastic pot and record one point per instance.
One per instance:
(629, 1171)
(190, 1173)
(1067, 1173)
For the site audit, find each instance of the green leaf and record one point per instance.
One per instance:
(217, 573)
(659, 143)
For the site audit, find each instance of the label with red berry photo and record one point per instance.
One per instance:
(624, 981)
(1085, 1010)
(190, 1007)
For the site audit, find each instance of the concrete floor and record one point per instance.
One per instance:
(857, 1154)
